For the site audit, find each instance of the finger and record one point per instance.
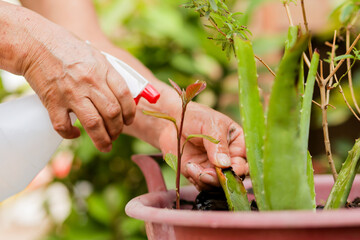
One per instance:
(208, 176)
(218, 154)
(93, 124)
(110, 110)
(240, 166)
(119, 88)
(62, 124)
(194, 172)
(236, 141)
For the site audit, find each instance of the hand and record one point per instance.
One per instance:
(72, 76)
(200, 155)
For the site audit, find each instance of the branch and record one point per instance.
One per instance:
(342, 60)
(349, 72)
(267, 66)
(288, 13)
(306, 26)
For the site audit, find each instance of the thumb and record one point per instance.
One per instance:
(219, 154)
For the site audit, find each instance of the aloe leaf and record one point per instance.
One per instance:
(171, 160)
(310, 180)
(305, 120)
(341, 189)
(234, 190)
(307, 100)
(285, 170)
(301, 78)
(292, 37)
(252, 116)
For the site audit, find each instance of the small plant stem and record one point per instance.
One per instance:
(179, 155)
(346, 101)
(331, 68)
(288, 13)
(322, 87)
(267, 66)
(349, 71)
(326, 130)
(316, 103)
(337, 82)
(342, 60)
(306, 26)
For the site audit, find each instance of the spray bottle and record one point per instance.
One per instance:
(28, 140)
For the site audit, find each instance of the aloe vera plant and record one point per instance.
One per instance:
(276, 140)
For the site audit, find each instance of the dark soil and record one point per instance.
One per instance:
(215, 200)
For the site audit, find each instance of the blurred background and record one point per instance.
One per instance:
(82, 193)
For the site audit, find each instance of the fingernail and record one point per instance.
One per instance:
(207, 178)
(223, 160)
(192, 169)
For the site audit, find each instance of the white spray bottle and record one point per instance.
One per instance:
(28, 140)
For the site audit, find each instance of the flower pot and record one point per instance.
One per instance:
(163, 222)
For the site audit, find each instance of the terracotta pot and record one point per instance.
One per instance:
(163, 222)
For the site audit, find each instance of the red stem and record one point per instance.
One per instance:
(179, 155)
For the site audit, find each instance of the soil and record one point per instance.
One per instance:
(215, 200)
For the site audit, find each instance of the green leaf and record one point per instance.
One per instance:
(338, 58)
(341, 189)
(234, 190)
(161, 115)
(285, 163)
(292, 37)
(307, 102)
(310, 180)
(347, 12)
(211, 139)
(305, 122)
(213, 5)
(252, 116)
(171, 160)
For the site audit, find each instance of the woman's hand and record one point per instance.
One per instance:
(72, 76)
(200, 155)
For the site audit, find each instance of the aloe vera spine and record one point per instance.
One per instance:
(252, 115)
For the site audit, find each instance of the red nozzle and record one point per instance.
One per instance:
(149, 93)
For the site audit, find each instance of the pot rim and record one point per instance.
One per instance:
(143, 207)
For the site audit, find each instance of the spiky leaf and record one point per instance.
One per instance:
(341, 189)
(285, 163)
(234, 190)
(252, 116)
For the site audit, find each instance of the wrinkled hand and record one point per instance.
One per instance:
(200, 155)
(72, 76)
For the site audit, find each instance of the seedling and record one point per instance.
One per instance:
(172, 160)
